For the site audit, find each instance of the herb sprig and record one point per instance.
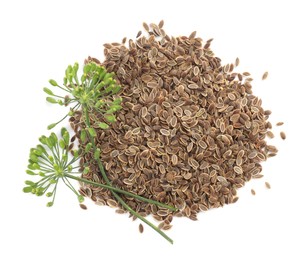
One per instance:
(53, 159)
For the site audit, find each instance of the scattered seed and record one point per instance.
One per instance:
(283, 135)
(253, 192)
(267, 185)
(279, 123)
(265, 75)
(140, 228)
(237, 62)
(84, 207)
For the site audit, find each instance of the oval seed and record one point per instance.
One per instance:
(283, 135)
(264, 76)
(140, 228)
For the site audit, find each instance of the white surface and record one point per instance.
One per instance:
(40, 38)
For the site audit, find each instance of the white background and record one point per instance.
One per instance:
(40, 38)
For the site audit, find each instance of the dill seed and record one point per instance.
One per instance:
(237, 62)
(140, 228)
(283, 135)
(84, 207)
(279, 123)
(191, 132)
(253, 192)
(265, 75)
(138, 34)
(267, 185)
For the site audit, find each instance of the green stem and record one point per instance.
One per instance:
(120, 191)
(101, 167)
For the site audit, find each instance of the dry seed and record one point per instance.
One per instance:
(192, 35)
(146, 27)
(283, 135)
(279, 123)
(267, 185)
(253, 192)
(161, 24)
(238, 169)
(265, 75)
(237, 62)
(165, 132)
(140, 228)
(174, 159)
(83, 206)
(270, 134)
(138, 34)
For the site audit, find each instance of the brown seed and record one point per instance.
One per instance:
(161, 24)
(270, 134)
(267, 185)
(279, 123)
(83, 206)
(192, 35)
(140, 228)
(237, 62)
(164, 132)
(283, 135)
(146, 27)
(264, 76)
(138, 34)
(253, 192)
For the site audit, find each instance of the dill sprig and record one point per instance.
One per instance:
(53, 159)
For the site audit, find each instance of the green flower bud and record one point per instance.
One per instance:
(76, 154)
(88, 147)
(66, 138)
(80, 198)
(52, 181)
(49, 204)
(86, 68)
(43, 139)
(117, 101)
(83, 135)
(36, 166)
(116, 89)
(110, 118)
(51, 126)
(33, 158)
(38, 152)
(69, 168)
(62, 144)
(64, 157)
(91, 131)
(63, 131)
(48, 91)
(53, 82)
(86, 170)
(49, 194)
(97, 154)
(51, 100)
(39, 191)
(64, 81)
(30, 183)
(42, 174)
(103, 125)
(30, 172)
(27, 189)
(76, 67)
(51, 159)
(30, 166)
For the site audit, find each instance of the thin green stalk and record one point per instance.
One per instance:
(101, 167)
(120, 191)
